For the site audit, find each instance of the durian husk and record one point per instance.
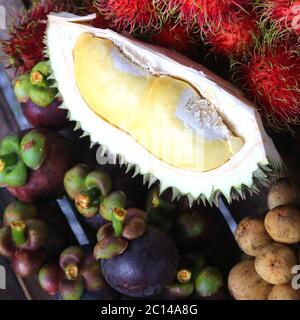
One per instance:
(255, 165)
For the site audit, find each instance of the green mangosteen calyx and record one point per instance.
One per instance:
(17, 155)
(19, 211)
(39, 74)
(118, 221)
(80, 271)
(22, 230)
(43, 97)
(33, 149)
(18, 230)
(41, 90)
(87, 188)
(113, 236)
(13, 171)
(21, 88)
(115, 199)
(87, 202)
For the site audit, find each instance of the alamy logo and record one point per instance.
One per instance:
(2, 18)
(2, 278)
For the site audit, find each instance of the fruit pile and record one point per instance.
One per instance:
(259, 40)
(272, 246)
(38, 98)
(154, 244)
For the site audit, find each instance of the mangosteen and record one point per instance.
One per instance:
(22, 229)
(49, 277)
(92, 275)
(32, 167)
(195, 229)
(49, 117)
(208, 282)
(80, 272)
(145, 268)
(71, 259)
(113, 236)
(71, 289)
(38, 98)
(26, 262)
(87, 188)
(19, 211)
(181, 288)
(115, 199)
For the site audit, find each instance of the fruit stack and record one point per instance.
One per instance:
(271, 244)
(162, 242)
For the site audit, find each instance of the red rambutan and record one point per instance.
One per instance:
(187, 10)
(25, 46)
(285, 14)
(233, 37)
(100, 21)
(175, 37)
(129, 15)
(202, 12)
(271, 78)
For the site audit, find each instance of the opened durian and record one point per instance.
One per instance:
(173, 119)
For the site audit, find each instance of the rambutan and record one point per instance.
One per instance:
(285, 14)
(129, 15)
(233, 37)
(202, 13)
(186, 10)
(271, 78)
(89, 7)
(175, 37)
(25, 46)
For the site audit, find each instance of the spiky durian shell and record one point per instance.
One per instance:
(262, 176)
(271, 77)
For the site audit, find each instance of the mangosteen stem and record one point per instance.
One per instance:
(88, 198)
(159, 202)
(8, 160)
(37, 78)
(18, 229)
(71, 271)
(184, 275)
(118, 220)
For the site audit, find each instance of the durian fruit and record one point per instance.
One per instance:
(172, 119)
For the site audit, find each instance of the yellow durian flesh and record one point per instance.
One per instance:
(144, 106)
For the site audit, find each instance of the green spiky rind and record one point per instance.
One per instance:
(262, 176)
